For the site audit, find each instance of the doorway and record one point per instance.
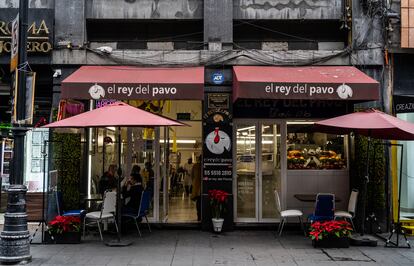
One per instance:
(161, 153)
(180, 149)
(259, 169)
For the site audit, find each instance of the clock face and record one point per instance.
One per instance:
(218, 141)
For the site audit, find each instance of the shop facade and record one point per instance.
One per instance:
(403, 105)
(218, 36)
(254, 135)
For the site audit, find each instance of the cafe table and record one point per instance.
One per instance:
(311, 197)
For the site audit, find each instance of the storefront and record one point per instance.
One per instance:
(252, 126)
(403, 103)
(176, 93)
(275, 146)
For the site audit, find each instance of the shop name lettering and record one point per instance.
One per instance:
(298, 89)
(154, 91)
(38, 39)
(404, 106)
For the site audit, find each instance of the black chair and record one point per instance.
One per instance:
(142, 211)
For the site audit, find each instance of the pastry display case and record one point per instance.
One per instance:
(313, 150)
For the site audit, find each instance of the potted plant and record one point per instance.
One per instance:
(330, 234)
(218, 200)
(64, 230)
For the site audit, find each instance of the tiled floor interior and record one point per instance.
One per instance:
(181, 209)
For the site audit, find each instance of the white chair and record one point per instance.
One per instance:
(350, 214)
(286, 214)
(104, 215)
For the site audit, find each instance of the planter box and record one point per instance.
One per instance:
(331, 242)
(65, 238)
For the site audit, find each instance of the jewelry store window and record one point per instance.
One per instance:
(307, 149)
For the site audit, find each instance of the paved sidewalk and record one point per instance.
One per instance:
(193, 247)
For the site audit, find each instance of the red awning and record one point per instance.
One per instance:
(309, 83)
(129, 83)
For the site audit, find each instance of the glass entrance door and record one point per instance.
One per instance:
(258, 170)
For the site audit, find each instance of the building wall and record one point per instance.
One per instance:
(144, 9)
(285, 21)
(288, 9)
(32, 3)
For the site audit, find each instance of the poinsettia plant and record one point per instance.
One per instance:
(64, 224)
(320, 230)
(218, 199)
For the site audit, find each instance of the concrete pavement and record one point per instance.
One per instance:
(194, 247)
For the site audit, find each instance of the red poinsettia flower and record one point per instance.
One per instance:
(319, 230)
(218, 199)
(63, 224)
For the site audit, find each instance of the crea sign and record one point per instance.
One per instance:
(403, 104)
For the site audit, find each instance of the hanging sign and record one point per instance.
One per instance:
(29, 99)
(14, 44)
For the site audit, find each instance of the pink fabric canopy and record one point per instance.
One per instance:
(370, 123)
(118, 114)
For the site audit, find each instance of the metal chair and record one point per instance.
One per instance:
(286, 214)
(350, 214)
(324, 208)
(105, 214)
(143, 210)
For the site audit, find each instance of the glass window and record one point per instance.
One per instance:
(307, 149)
(407, 179)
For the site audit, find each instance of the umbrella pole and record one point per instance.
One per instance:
(119, 243)
(366, 180)
(118, 189)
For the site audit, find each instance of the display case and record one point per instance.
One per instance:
(314, 158)
(6, 153)
(307, 149)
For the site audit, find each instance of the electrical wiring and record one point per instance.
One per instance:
(278, 32)
(261, 57)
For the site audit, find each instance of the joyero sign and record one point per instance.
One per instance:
(39, 34)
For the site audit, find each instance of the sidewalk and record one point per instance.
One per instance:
(193, 247)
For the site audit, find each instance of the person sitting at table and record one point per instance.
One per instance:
(132, 190)
(148, 177)
(108, 180)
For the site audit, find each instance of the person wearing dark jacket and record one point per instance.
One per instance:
(108, 180)
(132, 191)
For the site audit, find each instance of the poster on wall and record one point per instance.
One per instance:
(217, 138)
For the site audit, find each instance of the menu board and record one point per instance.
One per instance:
(217, 136)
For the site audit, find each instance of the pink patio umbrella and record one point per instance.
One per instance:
(372, 124)
(118, 114)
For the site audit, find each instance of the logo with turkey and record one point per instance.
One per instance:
(97, 92)
(344, 91)
(218, 141)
